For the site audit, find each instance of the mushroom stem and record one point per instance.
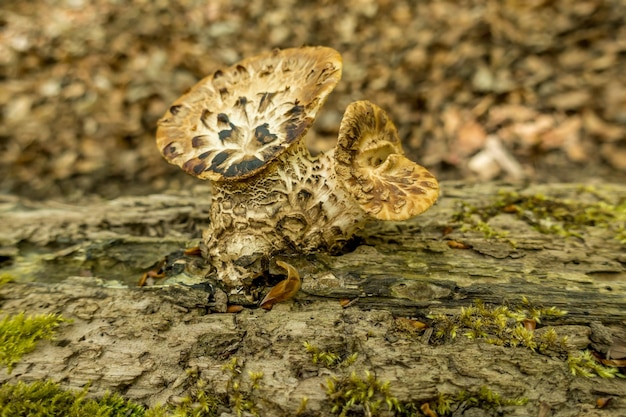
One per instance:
(298, 205)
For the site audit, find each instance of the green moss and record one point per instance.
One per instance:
(349, 393)
(5, 279)
(500, 325)
(484, 228)
(470, 218)
(45, 398)
(584, 364)
(356, 395)
(503, 326)
(566, 218)
(304, 401)
(484, 398)
(240, 399)
(19, 335)
(203, 401)
(200, 401)
(549, 215)
(450, 404)
(329, 359)
(353, 394)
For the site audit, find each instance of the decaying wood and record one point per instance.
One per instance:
(82, 262)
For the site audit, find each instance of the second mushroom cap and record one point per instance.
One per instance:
(371, 165)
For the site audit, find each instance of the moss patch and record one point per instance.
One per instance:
(514, 326)
(329, 359)
(200, 401)
(45, 398)
(449, 404)
(5, 279)
(585, 364)
(501, 325)
(19, 335)
(356, 392)
(366, 395)
(547, 214)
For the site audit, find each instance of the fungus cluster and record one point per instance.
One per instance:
(243, 129)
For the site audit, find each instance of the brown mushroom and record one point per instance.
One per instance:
(243, 128)
(371, 165)
(233, 123)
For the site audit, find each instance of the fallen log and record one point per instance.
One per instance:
(558, 245)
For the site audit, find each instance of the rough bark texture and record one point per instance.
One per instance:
(141, 341)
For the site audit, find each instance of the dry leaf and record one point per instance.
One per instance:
(617, 363)
(568, 131)
(234, 308)
(529, 324)
(484, 165)
(151, 275)
(406, 324)
(285, 289)
(428, 412)
(447, 230)
(570, 100)
(346, 302)
(193, 251)
(503, 157)
(602, 402)
(470, 138)
(457, 245)
(594, 125)
(615, 155)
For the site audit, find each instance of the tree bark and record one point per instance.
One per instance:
(83, 261)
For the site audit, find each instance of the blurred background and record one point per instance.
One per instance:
(530, 90)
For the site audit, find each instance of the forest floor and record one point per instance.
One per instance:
(479, 90)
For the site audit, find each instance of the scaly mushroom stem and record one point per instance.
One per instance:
(297, 205)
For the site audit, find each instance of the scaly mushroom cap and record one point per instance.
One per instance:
(234, 122)
(371, 165)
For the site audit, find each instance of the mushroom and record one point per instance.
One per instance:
(243, 129)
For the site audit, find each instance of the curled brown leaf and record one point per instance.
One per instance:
(285, 289)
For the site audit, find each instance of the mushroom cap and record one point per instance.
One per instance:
(234, 122)
(371, 165)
